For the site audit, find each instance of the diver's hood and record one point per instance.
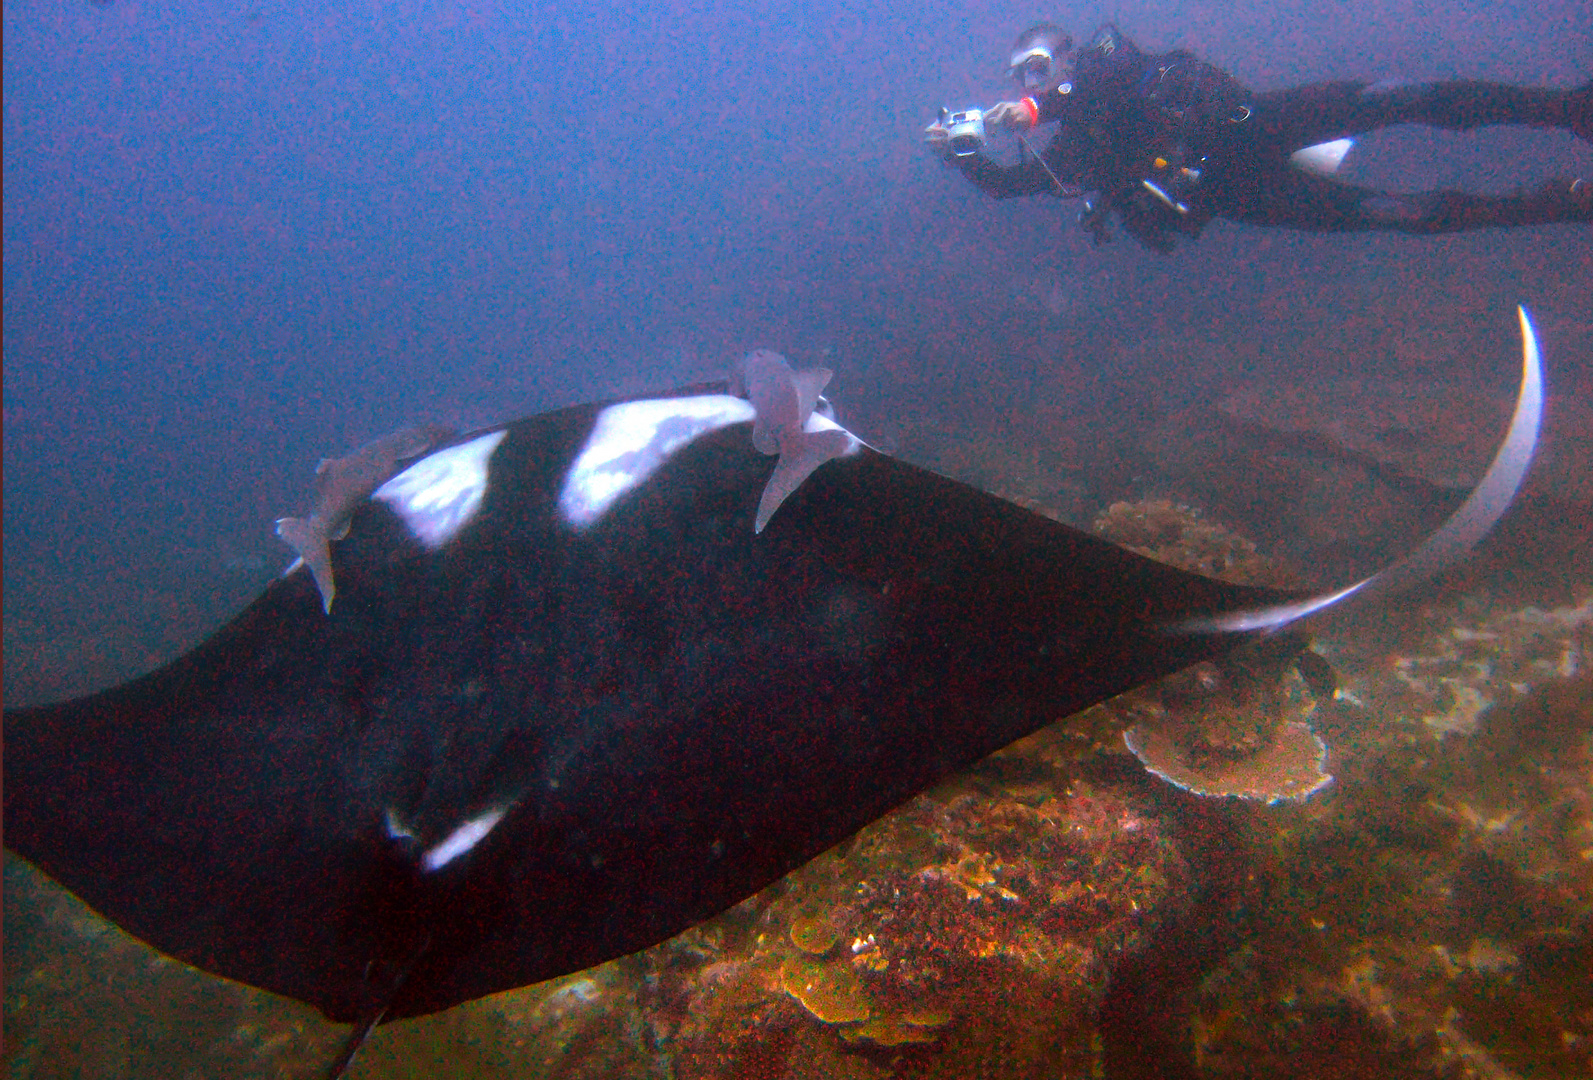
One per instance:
(1040, 55)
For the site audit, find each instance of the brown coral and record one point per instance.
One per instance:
(1180, 536)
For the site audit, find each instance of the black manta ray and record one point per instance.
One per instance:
(570, 702)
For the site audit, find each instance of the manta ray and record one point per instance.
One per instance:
(593, 677)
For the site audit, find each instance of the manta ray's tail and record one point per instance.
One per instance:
(1453, 541)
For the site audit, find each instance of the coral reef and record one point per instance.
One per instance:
(1239, 727)
(1471, 667)
(980, 922)
(1435, 918)
(1292, 764)
(1182, 536)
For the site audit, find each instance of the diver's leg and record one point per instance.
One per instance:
(1304, 115)
(1460, 211)
(1295, 199)
(1280, 195)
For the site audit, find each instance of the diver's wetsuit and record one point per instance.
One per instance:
(1170, 142)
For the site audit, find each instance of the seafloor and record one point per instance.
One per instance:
(1061, 911)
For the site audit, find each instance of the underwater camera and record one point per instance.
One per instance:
(965, 130)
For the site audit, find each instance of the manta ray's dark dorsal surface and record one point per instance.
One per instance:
(569, 703)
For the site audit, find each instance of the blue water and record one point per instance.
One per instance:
(240, 237)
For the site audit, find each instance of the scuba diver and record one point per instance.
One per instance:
(1167, 142)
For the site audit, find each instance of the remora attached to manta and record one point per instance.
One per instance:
(341, 485)
(570, 702)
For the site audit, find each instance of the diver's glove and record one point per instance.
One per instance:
(938, 138)
(1094, 219)
(1020, 115)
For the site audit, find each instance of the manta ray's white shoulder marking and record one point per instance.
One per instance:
(631, 440)
(439, 494)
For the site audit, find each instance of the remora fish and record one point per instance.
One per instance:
(570, 703)
(785, 425)
(341, 485)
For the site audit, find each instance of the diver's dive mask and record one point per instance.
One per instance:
(1033, 68)
(1041, 56)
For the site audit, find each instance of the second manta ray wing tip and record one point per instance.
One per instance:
(1445, 548)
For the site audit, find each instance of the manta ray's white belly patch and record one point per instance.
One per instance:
(630, 441)
(439, 494)
(466, 836)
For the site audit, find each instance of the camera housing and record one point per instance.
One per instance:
(965, 130)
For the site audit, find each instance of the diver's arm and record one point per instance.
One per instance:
(1030, 112)
(998, 181)
(1005, 181)
(1020, 115)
